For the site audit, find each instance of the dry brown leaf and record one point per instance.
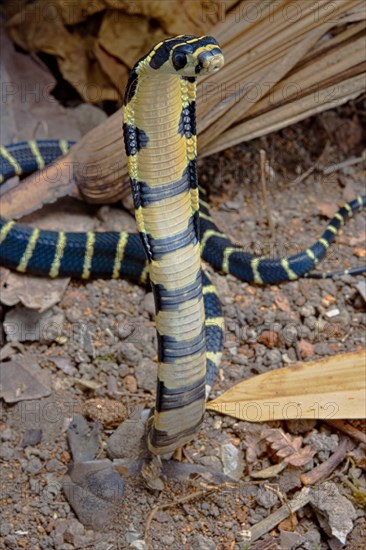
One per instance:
(288, 447)
(182, 17)
(114, 69)
(127, 30)
(34, 33)
(327, 209)
(127, 37)
(30, 111)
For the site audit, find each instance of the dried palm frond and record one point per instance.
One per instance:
(284, 61)
(278, 70)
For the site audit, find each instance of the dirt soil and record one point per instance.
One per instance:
(104, 346)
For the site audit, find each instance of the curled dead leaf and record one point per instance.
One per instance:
(288, 447)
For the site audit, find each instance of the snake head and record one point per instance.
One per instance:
(185, 56)
(195, 56)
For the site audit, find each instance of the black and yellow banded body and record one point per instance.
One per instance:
(19, 159)
(104, 255)
(122, 255)
(224, 256)
(160, 138)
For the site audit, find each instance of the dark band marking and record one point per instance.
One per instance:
(172, 299)
(187, 121)
(144, 195)
(160, 247)
(170, 349)
(168, 399)
(157, 437)
(135, 139)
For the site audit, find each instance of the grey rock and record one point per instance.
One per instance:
(7, 434)
(5, 529)
(290, 540)
(94, 489)
(322, 348)
(266, 498)
(307, 310)
(201, 542)
(168, 540)
(273, 357)
(83, 438)
(11, 541)
(54, 465)
(58, 541)
(6, 452)
(23, 325)
(34, 466)
(73, 529)
(324, 444)
(32, 437)
(45, 542)
(145, 372)
(123, 370)
(128, 353)
(214, 511)
(312, 539)
(128, 441)
(212, 462)
(335, 512)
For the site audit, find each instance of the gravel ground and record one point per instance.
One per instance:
(104, 346)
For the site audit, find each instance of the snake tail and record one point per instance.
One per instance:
(160, 140)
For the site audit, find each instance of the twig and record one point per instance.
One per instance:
(267, 524)
(326, 468)
(304, 175)
(349, 162)
(348, 429)
(312, 168)
(181, 500)
(262, 154)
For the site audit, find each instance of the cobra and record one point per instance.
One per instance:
(160, 140)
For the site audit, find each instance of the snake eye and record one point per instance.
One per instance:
(179, 60)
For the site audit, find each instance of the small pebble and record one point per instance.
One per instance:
(34, 466)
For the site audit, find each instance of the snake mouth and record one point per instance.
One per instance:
(210, 62)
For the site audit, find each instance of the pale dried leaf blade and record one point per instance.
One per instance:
(330, 388)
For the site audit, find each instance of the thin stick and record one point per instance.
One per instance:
(349, 162)
(326, 468)
(181, 500)
(348, 429)
(264, 192)
(267, 524)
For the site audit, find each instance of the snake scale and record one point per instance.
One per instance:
(175, 229)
